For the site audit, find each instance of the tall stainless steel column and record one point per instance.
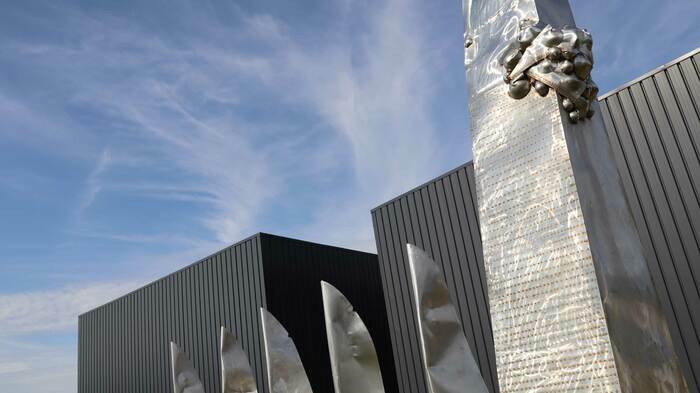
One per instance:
(572, 303)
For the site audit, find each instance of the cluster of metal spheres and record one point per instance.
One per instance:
(548, 58)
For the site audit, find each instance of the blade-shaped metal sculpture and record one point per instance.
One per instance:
(285, 371)
(236, 373)
(449, 365)
(185, 379)
(353, 356)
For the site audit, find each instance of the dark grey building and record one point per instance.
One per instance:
(653, 124)
(123, 345)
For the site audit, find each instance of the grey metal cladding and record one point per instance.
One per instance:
(653, 124)
(440, 217)
(123, 345)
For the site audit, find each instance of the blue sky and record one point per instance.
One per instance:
(139, 136)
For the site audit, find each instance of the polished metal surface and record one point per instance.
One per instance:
(449, 365)
(285, 371)
(185, 379)
(560, 59)
(236, 374)
(572, 304)
(353, 358)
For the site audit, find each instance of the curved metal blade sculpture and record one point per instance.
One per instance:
(185, 379)
(236, 373)
(449, 365)
(285, 371)
(353, 356)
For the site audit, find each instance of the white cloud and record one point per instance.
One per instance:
(54, 310)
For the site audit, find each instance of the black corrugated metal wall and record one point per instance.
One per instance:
(654, 127)
(293, 271)
(123, 345)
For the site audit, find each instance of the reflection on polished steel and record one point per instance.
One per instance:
(285, 371)
(552, 58)
(236, 374)
(353, 357)
(448, 361)
(185, 379)
(572, 304)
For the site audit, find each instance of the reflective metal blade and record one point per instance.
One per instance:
(353, 356)
(449, 364)
(185, 379)
(236, 373)
(285, 371)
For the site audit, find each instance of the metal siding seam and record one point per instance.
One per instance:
(475, 273)
(259, 303)
(687, 171)
(452, 268)
(692, 80)
(632, 105)
(403, 313)
(645, 155)
(670, 189)
(402, 269)
(248, 298)
(642, 197)
(385, 281)
(465, 254)
(677, 166)
(398, 326)
(211, 324)
(681, 117)
(458, 260)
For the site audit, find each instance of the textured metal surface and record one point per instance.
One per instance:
(547, 268)
(236, 374)
(653, 125)
(449, 364)
(560, 59)
(184, 375)
(440, 217)
(285, 371)
(354, 361)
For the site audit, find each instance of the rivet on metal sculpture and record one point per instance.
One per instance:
(285, 371)
(236, 373)
(546, 58)
(353, 357)
(185, 379)
(449, 365)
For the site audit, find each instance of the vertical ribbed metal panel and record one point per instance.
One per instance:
(654, 128)
(440, 217)
(293, 271)
(123, 345)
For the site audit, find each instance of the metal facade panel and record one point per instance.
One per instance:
(123, 345)
(654, 129)
(293, 271)
(653, 125)
(439, 217)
